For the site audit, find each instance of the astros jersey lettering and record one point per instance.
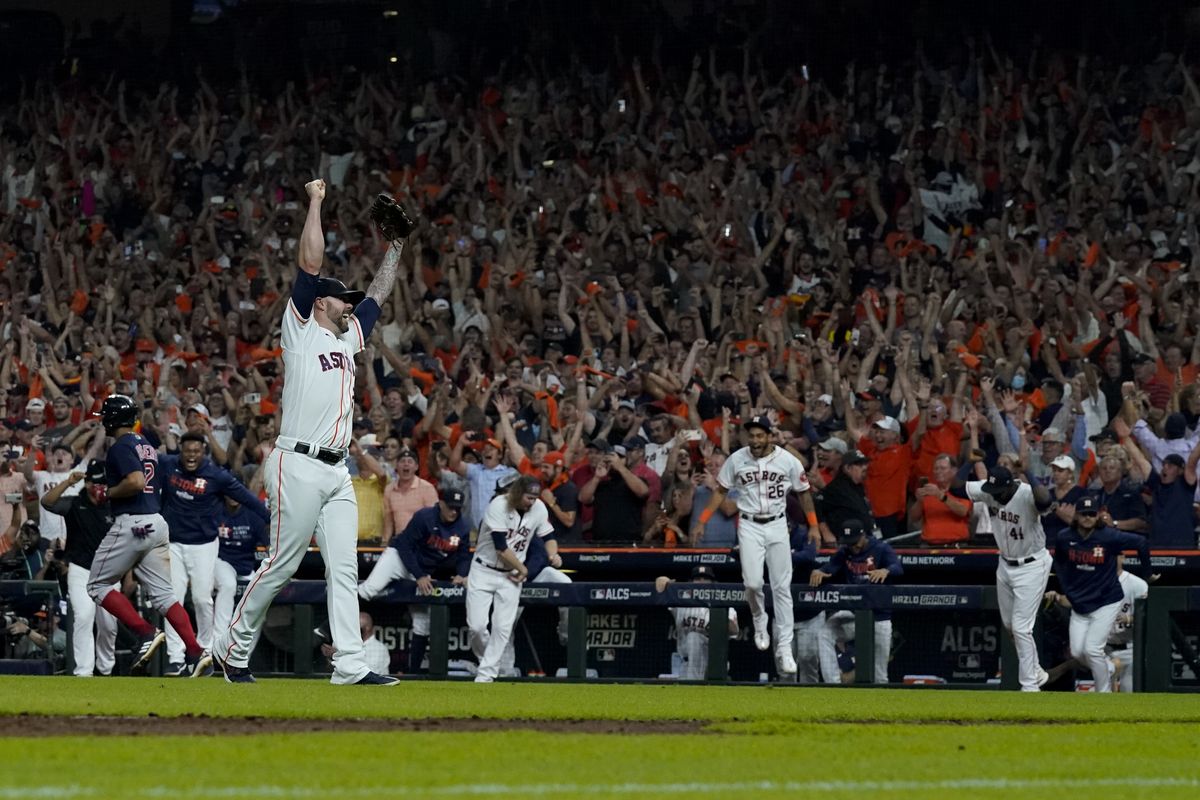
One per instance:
(764, 483)
(318, 393)
(1016, 524)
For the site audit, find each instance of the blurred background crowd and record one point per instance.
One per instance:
(919, 242)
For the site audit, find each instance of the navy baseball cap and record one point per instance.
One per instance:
(851, 531)
(332, 287)
(95, 471)
(704, 572)
(1176, 459)
(855, 457)
(1088, 505)
(634, 443)
(600, 445)
(453, 498)
(998, 480)
(761, 421)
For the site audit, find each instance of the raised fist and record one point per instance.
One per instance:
(315, 189)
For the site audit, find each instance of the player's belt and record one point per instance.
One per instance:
(760, 519)
(326, 454)
(1020, 562)
(483, 563)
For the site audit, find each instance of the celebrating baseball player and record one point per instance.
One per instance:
(862, 559)
(1085, 560)
(324, 326)
(240, 532)
(494, 585)
(691, 628)
(764, 474)
(193, 488)
(87, 516)
(435, 543)
(1120, 638)
(1015, 509)
(137, 540)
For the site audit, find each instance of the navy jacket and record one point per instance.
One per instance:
(428, 545)
(239, 535)
(193, 501)
(1087, 568)
(854, 567)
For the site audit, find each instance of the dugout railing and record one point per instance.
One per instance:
(864, 601)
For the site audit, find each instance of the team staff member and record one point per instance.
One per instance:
(1085, 560)
(138, 540)
(324, 325)
(860, 559)
(1014, 509)
(193, 490)
(240, 532)
(691, 628)
(436, 543)
(87, 517)
(764, 474)
(494, 585)
(845, 496)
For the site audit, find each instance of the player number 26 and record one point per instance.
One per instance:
(776, 491)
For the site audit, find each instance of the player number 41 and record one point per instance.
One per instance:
(1016, 533)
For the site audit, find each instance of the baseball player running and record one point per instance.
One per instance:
(1014, 509)
(324, 326)
(691, 628)
(435, 543)
(193, 488)
(494, 585)
(1085, 560)
(763, 475)
(87, 516)
(137, 540)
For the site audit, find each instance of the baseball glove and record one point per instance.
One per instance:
(393, 222)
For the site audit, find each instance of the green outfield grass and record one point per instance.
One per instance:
(760, 741)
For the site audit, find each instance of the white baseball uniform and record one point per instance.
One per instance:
(309, 496)
(1120, 638)
(763, 485)
(1022, 571)
(489, 588)
(52, 526)
(691, 640)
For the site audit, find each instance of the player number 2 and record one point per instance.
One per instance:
(1016, 533)
(148, 468)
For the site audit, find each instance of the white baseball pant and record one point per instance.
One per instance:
(768, 544)
(225, 582)
(1122, 662)
(193, 564)
(490, 591)
(389, 568)
(1088, 634)
(811, 655)
(1019, 591)
(307, 498)
(508, 661)
(693, 648)
(839, 627)
(91, 652)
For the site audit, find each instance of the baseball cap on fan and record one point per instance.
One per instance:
(453, 498)
(95, 471)
(332, 287)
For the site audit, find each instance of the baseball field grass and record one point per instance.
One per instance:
(158, 738)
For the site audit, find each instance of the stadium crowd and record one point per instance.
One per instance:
(911, 268)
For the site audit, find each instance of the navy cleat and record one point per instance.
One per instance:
(198, 666)
(375, 679)
(233, 674)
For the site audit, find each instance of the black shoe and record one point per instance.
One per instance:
(174, 669)
(197, 666)
(375, 679)
(147, 646)
(322, 633)
(233, 674)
